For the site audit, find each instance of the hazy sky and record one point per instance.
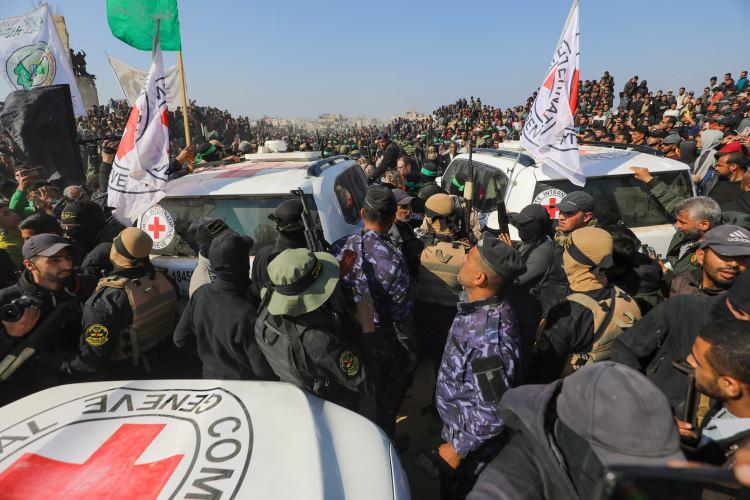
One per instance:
(303, 58)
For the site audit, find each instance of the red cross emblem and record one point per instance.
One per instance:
(552, 208)
(109, 473)
(156, 228)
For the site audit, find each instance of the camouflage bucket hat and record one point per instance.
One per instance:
(301, 281)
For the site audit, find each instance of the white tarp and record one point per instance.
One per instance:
(139, 170)
(132, 79)
(548, 132)
(32, 54)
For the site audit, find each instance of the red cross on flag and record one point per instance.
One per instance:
(548, 132)
(139, 171)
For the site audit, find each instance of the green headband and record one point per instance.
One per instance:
(199, 156)
(457, 184)
(428, 173)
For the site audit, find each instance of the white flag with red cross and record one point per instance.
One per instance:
(139, 170)
(548, 132)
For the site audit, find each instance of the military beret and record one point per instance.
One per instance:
(440, 204)
(501, 257)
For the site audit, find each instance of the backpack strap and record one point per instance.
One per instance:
(597, 308)
(112, 282)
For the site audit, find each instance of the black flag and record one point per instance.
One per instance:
(42, 123)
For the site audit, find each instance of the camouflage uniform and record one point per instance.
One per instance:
(380, 272)
(480, 362)
(382, 275)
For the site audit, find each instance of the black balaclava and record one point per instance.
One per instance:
(229, 261)
(533, 231)
(83, 220)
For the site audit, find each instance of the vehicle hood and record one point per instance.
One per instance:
(192, 438)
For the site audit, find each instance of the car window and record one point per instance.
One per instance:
(618, 199)
(485, 195)
(247, 216)
(350, 187)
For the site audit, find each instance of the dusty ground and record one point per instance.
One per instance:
(424, 431)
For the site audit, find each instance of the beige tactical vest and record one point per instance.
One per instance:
(154, 305)
(438, 272)
(607, 327)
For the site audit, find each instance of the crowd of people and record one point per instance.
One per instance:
(553, 357)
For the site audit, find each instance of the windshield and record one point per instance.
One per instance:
(485, 194)
(246, 215)
(618, 199)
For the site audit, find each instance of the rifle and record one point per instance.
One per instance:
(313, 237)
(469, 193)
(12, 361)
(502, 213)
(690, 410)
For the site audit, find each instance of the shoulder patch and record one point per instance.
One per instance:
(96, 335)
(349, 363)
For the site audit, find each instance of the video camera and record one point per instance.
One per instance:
(13, 311)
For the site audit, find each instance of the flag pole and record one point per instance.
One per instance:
(185, 120)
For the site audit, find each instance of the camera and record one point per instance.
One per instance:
(13, 311)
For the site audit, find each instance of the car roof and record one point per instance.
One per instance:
(596, 161)
(255, 178)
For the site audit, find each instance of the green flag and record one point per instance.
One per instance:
(134, 21)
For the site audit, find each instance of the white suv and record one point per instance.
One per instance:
(244, 195)
(619, 197)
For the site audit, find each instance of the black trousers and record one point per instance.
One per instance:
(391, 385)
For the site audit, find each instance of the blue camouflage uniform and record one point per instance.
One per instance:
(380, 272)
(480, 362)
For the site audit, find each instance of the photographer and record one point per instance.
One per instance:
(40, 292)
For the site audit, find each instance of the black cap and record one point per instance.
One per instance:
(672, 139)
(728, 239)
(623, 416)
(428, 190)
(529, 213)
(85, 213)
(576, 201)
(45, 245)
(501, 257)
(382, 135)
(727, 121)
(380, 198)
(739, 292)
(288, 215)
(402, 197)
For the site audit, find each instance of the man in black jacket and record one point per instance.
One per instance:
(588, 315)
(391, 152)
(220, 316)
(576, 210)
(561, 436)
(92, 231)
(132, 310)
(291, 234)
(48, 269)
(667, 333)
